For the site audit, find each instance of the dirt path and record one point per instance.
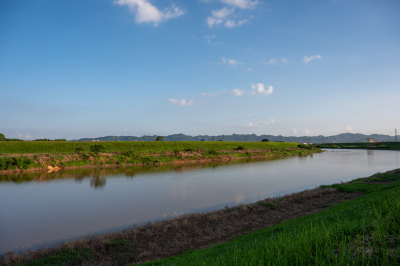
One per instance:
(173, 237)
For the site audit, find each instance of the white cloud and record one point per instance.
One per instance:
(241, 3)
(230, 61)
(302, 132)
(259, 88)
(273, 61)
(262, 124)
(24, 136)
(145, 12)
(209, 38)
(208, 94)
(221, 13)
(180, 102)
(237, 92)
(349, 128)
(226, 17)
(308, 59)
(233, 23)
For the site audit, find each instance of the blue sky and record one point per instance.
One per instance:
(88, 68)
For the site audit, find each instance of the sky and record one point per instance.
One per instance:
(90, 68)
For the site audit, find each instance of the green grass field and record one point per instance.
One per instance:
(28, 147)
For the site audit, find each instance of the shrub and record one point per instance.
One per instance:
(304, 146)
(78, 149)
(212, 152)
(159, 138)
(97, 148)
(239, 148)
(265, 140)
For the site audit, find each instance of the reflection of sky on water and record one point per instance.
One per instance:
(60, 208)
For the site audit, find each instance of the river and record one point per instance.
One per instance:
(44, 209)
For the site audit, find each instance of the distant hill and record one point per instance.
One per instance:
(341, 138)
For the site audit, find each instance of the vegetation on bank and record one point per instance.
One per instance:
(42, 154)
(363, 231)
(362, 145)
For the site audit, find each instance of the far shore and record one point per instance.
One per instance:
(28, 157)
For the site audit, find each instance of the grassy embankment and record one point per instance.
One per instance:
(363, 231)
(362, 145)
(42, 154)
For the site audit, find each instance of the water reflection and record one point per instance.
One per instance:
(98, 176)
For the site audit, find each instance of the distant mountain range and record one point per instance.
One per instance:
(340, 138)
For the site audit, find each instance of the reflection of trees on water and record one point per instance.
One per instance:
(98, 176)
(98, 182)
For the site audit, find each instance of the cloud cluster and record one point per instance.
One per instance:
(226, 16)
(259, 88)
(180, 102)
(302, 132)
(262, 124)
(273, 61)
(308, 59)
(145, 12)
(237, 92)
(209, 38)
(230, 61)
(247, 4)
(255, 89)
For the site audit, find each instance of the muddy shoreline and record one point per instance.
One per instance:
(172, 237)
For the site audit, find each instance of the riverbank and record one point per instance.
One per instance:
(56, 156)
(364, 230)
(362, 145)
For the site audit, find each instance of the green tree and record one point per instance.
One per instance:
(265, 140)
(2, 137)
(159, 138)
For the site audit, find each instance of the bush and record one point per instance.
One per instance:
(159, 138)
(265, 140)
(97, 148)
(78, 149)
(304, 146)
(212, 152)
(239, 148)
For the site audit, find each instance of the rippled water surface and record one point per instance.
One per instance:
(39, 209)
